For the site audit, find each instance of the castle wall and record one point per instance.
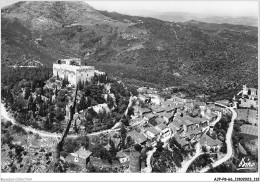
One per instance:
(84, 74)
(74, 73)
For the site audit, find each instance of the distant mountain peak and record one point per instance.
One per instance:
(45, 14)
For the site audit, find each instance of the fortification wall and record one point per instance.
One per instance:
(74, 73)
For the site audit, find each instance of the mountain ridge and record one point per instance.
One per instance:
(137, 49)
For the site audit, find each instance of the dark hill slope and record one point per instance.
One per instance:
(209, 57)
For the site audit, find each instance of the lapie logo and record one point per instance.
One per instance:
(246, 163)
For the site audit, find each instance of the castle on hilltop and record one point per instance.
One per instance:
(73, 70)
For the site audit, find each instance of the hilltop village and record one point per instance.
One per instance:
(106, 127)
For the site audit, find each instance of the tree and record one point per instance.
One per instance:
(83, 141)
(82, 103)
(10, 97)
(70, 145)
(125, 120)
(110, 101)
(27, 93)
(60, 144)
(164, 162)
(20, 103)
(129, 141)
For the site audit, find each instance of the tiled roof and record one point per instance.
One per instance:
(188, 120)
(161, 126)
(205, 139)
(134, 153)
(121, 154)
(144, 110)
(149, 115)
(157, 108)
(181, 141)
(195, 132)
(159, 120)
(168, 108)
(176, 123)
(210, 114)
(165, 114)
(138, 138)
(153, 130)
(168, 103)
(83, 153)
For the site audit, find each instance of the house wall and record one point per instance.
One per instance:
(123, 159)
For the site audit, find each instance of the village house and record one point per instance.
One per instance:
(194, 135)
(152, 134)
(182, 142)
(149, 116)
(178, 99)
(101, 108)
(157, 109)
(80, 157)
(123, 156)
(153, 99)
(211, 116)
(188, 106)
(202, 106)
(184, 121)
(248, 103)
(140, 111)
(165, 132)
(252, 93)
(137, 137)
(168, 117)
(33, 146)
(176, 126)
(209, 144)
(159, 120)
(160, 127)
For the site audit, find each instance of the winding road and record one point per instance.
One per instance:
(228, 141)
(7, 116)
(149, 169)
(185, 164)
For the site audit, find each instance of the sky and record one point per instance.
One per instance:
(219, 8)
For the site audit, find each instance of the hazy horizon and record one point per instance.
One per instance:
(210, 8)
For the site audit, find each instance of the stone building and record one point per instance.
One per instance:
(73, 70)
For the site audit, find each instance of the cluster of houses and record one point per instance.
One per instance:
(247, 108)
(171, 118)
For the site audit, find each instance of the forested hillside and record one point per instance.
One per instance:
(214, 59)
